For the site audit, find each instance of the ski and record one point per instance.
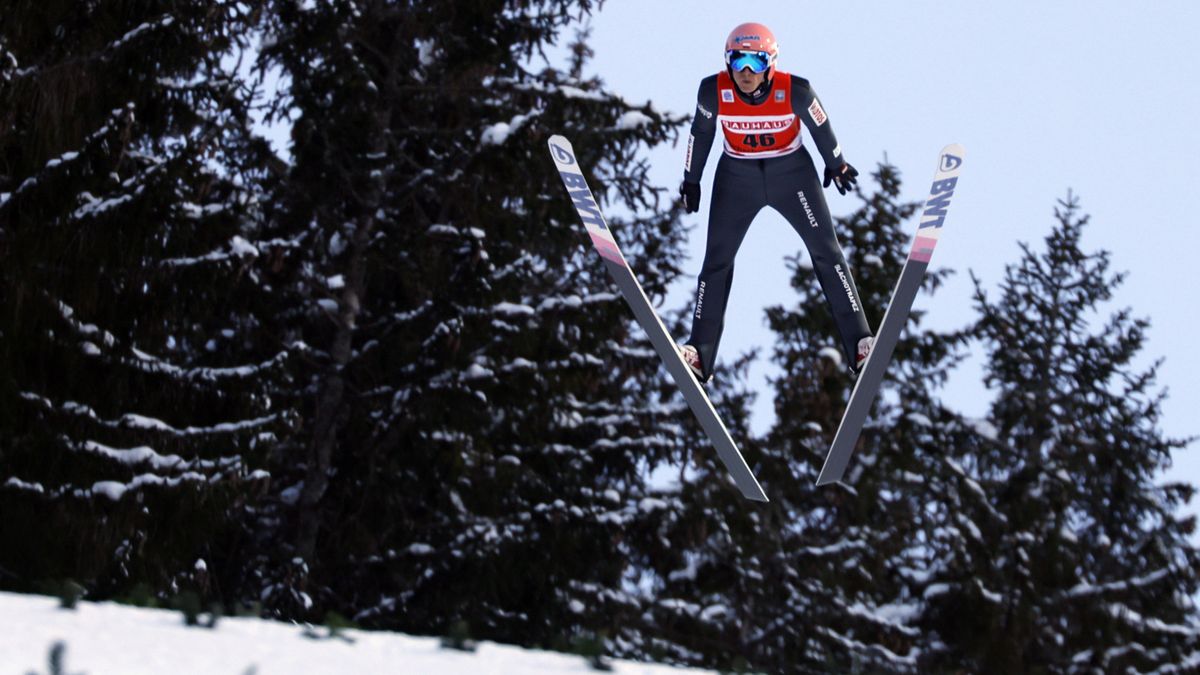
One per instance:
(589, 212)
(869, 380)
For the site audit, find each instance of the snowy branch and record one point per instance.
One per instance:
(889, 657)
(239, 248)
(1087, 590)
(130, 421)
(152, 364)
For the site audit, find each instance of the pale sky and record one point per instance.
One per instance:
(1098, 97)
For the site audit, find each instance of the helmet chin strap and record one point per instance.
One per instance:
(762, 88)
(759, 92)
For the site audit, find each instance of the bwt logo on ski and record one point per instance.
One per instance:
(582, 198)
(940, 193)
(950, 162)
(562, 155)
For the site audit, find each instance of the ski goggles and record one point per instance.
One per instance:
(738, 60)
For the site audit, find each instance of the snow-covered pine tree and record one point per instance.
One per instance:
(845, 548)
(812, 581)
(1087, 565)
(476, 408)
(698, 576)
(132, 368)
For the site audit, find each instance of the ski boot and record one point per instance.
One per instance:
(692, 358)
(864, 350)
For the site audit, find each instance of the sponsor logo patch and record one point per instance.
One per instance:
(687, 164)
(837, 151)
(779, 95)
(727, 95)
(817, 112)
(812, 220)
(846, 285)
(704, 111)
(700, 301)
(748, 125)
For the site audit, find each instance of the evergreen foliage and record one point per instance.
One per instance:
(478, 415)
(388, 379)
(133, 390)
(1081, 561)
(810, 581)
(844, 549)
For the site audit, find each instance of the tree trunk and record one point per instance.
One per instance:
(331, 398)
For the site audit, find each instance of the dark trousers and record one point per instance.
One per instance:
(788, 184)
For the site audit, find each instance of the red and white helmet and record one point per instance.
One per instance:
(751, 45)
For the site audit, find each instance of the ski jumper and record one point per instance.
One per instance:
(765, 164)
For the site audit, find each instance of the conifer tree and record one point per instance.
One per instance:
(815, 580)
(849, 546)
(695, 572)
(133, 396)
(1085, 563)
(477, 408)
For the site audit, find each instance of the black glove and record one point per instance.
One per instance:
(844, 177)
(690, 192)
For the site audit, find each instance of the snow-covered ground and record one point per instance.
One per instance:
(110, 638)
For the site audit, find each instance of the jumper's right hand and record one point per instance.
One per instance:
(690, 192)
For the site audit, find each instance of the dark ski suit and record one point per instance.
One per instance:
(744, 184)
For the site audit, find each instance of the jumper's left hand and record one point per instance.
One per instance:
(844, 178)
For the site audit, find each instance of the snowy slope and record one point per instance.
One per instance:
(109, 638)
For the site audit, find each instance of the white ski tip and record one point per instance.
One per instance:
(563, 153)
(950, 161)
